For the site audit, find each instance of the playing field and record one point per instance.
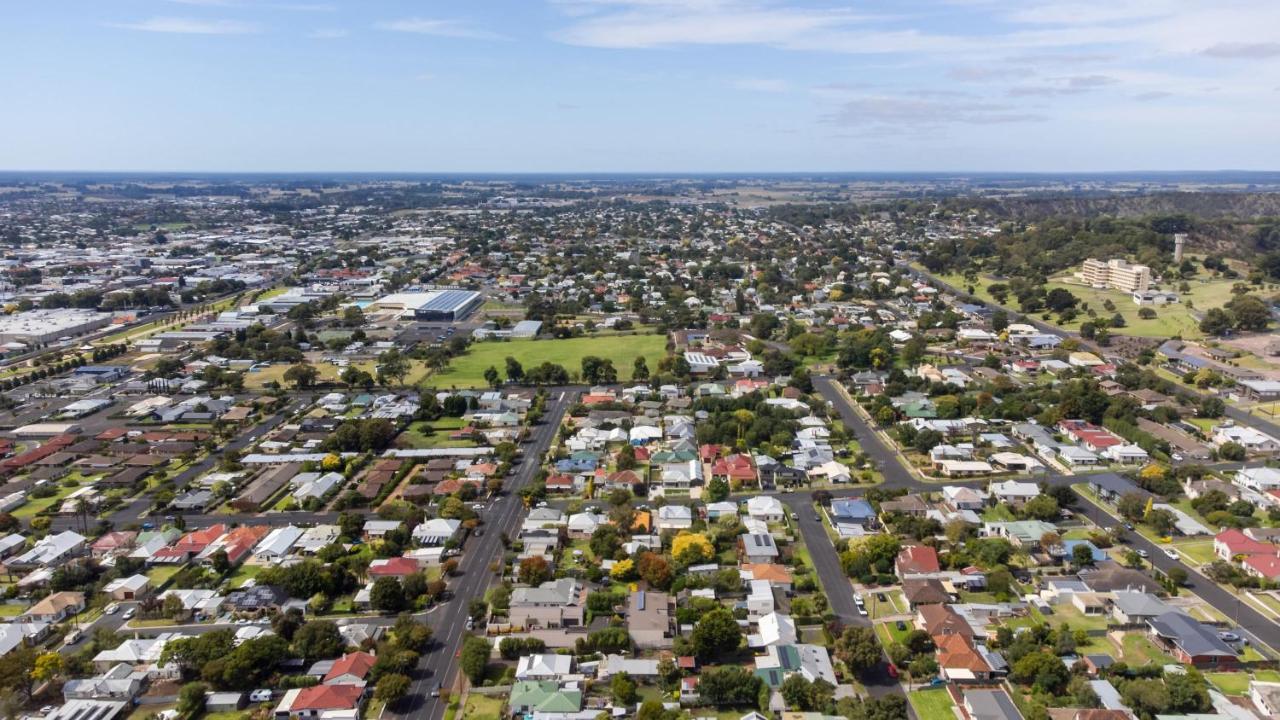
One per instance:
(468, 370)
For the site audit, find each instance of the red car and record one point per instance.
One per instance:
(892, 670)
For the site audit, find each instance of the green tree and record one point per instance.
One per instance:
(191, 699)
(491, 377)
(392, 365)
(515, 371)
(716, 633)
(640, 369)
(319, 640)
(391, 687)
(301, 375)
(858, 649)
(623, 689)
(387, 595)
(474, 658)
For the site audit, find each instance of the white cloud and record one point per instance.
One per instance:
(768, 85)
(436, 27)
(1244, 51)
(910, 113)
(190, 26)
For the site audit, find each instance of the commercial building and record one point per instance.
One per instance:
(45, 326)
(440, 305)
(1117, 274)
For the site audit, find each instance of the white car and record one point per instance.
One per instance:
(262, 695)
(1142, 553)
(111, 609)
(1173, 554)
(128, 614)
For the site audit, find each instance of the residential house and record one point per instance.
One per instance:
(553, 604)
(1191, 641)
(650, 619)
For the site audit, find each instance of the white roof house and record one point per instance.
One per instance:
(436, 531)
(773, 629)
(765, 507)
(544, 666)
(277, 544)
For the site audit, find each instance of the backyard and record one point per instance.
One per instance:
(468, 370)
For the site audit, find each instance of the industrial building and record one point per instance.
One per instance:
(440, 305)
(46, 326)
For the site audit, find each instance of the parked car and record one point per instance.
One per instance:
(1229, 636)
(128, 614)
(1142, 553)
(111, 609)
(892, 670)
(72, 637)
(260, 695)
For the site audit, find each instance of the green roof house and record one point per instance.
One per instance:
(544, 696)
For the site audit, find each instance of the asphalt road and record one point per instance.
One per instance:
(439, 666)
(836, 585)
(1241, 614)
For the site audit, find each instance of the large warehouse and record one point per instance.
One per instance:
(440, 305)
(46, 326)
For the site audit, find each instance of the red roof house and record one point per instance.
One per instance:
(917, 559)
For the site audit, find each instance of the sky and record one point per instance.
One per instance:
(639, 85)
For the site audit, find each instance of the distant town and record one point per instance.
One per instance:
(556, 448)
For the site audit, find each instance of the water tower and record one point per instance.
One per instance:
(1179, 241)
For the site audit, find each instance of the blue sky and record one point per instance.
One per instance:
(640, 85)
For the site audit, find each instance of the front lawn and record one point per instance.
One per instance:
(1199, 552)
(482, 707)
(932, 704)
(1138, 650)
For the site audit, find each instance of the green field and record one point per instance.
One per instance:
(1230, 683)
(468, 370)
(160, 574)
(35, 506)
(433, 435)
(482, 707)
(932, 704)
(328, 373)
(1169, 320)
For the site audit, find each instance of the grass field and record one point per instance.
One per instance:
(160, 574)
(35, 506)
(1230, 683)
(1169, 320)
(433, 435)
(1138, 650)
(468, 370)
(932, 704)
(482, 707)
(328, 373)
(243, 574)
(1199, 552)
